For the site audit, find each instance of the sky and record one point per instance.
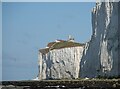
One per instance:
(28, 27)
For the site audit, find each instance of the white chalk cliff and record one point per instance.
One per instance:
(101, 56)
(63, 63)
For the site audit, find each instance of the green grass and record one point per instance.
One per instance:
(50, 44)
(59, 45)
(65, 44)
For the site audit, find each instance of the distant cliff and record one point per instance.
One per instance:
(101, 55)
(60, 60)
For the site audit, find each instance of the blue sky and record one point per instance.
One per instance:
(27, 27)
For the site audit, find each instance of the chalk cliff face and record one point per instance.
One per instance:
(60, 63)
(101, 55)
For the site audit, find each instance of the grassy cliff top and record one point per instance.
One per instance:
(65, 44)
(59, 45)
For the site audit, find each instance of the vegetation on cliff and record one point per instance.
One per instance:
(65, 44)
(59, 45)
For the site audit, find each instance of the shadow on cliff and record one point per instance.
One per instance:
(91, 62)
(113, 41)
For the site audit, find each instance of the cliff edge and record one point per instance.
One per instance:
(60, 60)
(101, 56)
